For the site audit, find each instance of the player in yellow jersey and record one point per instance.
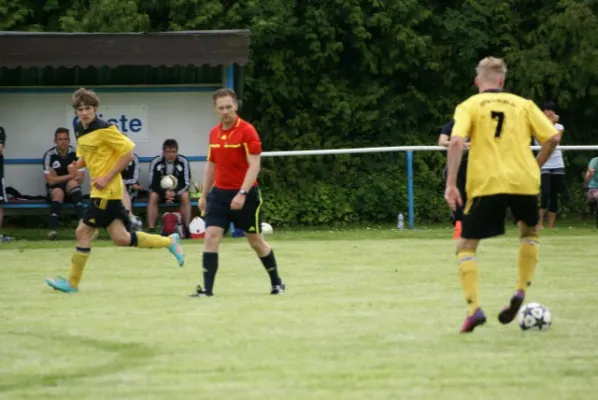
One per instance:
(502, 173)
(105, 151)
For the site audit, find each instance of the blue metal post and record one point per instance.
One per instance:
(410, 188)
(229, 77)
(229, 83)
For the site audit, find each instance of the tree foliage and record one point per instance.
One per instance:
(352, 73)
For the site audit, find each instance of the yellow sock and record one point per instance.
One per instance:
(77, 264)
(468, 274)
(149, 241)
(527, 260)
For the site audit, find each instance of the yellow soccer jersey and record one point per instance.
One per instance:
(101, 145)
(500, 127)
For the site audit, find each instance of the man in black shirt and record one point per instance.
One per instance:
(443, 140)
(170, 162)
(3, 197)
(59, 182)
(130, 176)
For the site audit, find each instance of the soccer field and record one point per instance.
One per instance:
(367, 315)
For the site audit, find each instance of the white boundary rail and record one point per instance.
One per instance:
(408, 149)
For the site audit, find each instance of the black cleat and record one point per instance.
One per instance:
(509, 313)
(278, 290)
(199, 292)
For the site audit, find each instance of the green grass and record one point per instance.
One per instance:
(369, 314)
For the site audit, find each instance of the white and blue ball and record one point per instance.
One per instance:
(534, 316)
(168, 182)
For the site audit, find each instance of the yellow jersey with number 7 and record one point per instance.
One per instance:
(500, 127)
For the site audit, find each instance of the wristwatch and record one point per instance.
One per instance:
(243, 192)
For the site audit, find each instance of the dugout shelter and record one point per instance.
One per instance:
(153, 86)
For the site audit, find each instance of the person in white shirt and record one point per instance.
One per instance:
(553, 174)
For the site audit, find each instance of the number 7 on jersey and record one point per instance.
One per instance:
(499, 116)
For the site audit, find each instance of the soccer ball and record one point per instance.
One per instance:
(267, 228)
(534, 316)
(136, 224)
(168, 182)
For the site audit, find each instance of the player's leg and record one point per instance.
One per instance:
(544, 197)
(152, 211)
(56, 199)
(3, 200)
(483, 218)
(74, 189)
(458, 215)
(2, 237)
(556, 187)
(249, 219)
(217, 218)
(84, 234)
(117, 221)
(525, 210)
(185, 202)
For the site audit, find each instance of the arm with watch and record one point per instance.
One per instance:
(250, 177)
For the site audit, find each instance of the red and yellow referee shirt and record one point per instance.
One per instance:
(229, 150)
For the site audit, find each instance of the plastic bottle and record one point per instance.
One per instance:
(400, 222)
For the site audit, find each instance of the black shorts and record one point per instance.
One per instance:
(485, 216)
(3, 196)
(219, 213)
(101, 212)
(162, 197)
(132, 192)
(57, 186)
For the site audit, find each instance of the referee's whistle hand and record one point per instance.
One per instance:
(238, 202)
(201, 204)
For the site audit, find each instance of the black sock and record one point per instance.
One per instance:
(210, 266)
(77, 202)
(133, 239)
(270, 264)
(55, 209)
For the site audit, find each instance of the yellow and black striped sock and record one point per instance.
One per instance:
(526, 261)
(468, 274)
(77, 265)
(149, 241)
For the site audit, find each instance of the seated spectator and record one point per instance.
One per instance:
(61, 184)
(130, 176)
(169, 163)
(3, 196)
(591, 181)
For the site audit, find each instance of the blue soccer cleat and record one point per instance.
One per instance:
(61, 284)
(176, 249)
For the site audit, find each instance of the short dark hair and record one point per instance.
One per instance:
(549, 105)
(61, 130)
(169, 144)
(224, 93)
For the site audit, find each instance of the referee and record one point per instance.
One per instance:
(230, 191)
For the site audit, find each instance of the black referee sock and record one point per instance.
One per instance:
(270, 264)
(55, 209)
(210, 266)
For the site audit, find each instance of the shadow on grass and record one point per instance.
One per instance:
(128, 355)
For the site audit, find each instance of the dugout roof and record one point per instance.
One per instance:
(53, 49)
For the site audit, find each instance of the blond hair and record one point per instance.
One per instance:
(491, 68)
(84, 97)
